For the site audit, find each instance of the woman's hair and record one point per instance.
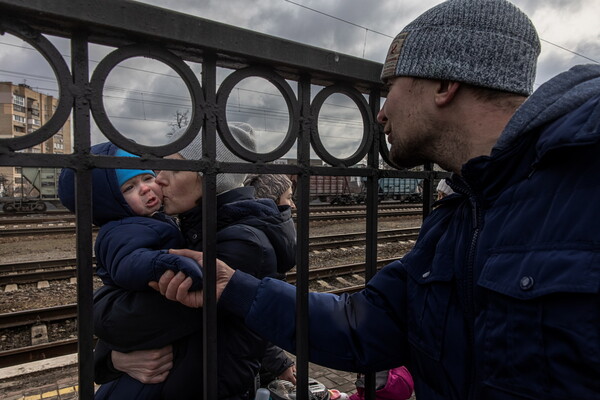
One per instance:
(269, 186)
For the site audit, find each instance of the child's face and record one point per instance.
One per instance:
(142, 194)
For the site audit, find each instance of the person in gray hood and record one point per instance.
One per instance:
(500, 297)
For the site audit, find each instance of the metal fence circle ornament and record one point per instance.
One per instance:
(290, 99)
(367, 118)
(64, 81)
(160, 54)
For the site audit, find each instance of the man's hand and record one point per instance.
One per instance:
(146, 366)
(176, 286)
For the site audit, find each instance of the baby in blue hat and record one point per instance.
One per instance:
(135, 235)
(139, 188)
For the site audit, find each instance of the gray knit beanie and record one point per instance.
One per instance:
(487, 43)
(269, 186)
(243, 133)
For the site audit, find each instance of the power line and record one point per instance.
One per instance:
(94, 61)
(391, 37)
(339, 19)
(570, 51)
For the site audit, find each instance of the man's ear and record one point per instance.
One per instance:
(445, 92)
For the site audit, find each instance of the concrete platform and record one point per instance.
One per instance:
(50, 379)
(56, 379)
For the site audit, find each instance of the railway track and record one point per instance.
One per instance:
(358, 238)
(56, 217)
(35, 219)
(69, 228)
(36, 317)
(382, 207)
(36, 271)
(37, 352)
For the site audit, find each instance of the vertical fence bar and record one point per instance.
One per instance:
(372, 214)
(302, 216)
(209, 227)
(83, 184)
(372, 192)
(427, 190)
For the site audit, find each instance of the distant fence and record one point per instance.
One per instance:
(137, 30)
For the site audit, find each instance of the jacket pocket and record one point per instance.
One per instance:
(540, 321)
(428, 296)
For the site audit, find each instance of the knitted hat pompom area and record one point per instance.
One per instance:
(486, 43)
(245, 136)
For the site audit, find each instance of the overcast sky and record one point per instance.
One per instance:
(562, 24)
(569, 30)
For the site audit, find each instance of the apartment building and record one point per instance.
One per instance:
(23, 111)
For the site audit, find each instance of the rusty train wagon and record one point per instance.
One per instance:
(337, 190)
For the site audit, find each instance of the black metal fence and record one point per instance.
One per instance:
(137, 30)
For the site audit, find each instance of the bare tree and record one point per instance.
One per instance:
(182, 120)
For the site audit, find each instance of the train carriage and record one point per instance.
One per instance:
(344, 190)
(337, 190)
(38, 186)
(406, 190)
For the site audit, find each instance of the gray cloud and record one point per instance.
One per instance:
(566, 6)
(145, 119)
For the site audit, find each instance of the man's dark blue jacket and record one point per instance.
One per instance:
(500, 297)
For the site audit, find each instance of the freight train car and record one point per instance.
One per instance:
(337, 190)
(345, 190)
(38, 186)
(407, 190)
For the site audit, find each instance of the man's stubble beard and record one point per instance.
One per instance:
(412, 153)
(438, 145)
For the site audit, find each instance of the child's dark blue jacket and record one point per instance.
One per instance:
(500, 297)
(130, 250)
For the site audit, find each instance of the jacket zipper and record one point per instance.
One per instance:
(470, 291)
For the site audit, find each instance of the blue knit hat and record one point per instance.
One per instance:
(486, 43)
(123, 175)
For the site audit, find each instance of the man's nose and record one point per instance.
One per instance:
(381, 117)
